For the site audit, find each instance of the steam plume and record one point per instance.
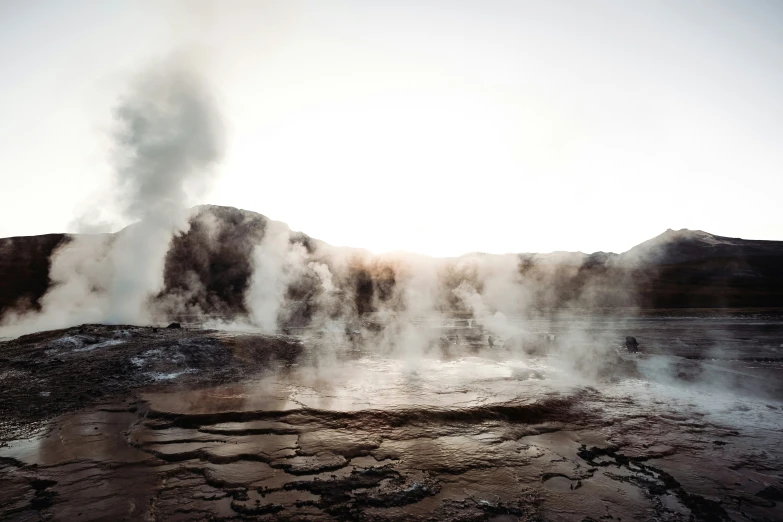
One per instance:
(168, 139)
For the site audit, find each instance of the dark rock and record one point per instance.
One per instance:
(43, 499)
(42, 484)
(174, 325)
(771, 493)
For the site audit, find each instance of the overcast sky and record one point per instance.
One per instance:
(436, 127)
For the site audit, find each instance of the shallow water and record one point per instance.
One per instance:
(371, 383)
(469, 439)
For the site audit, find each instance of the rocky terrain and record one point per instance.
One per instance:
(143, 423)
(43, 375)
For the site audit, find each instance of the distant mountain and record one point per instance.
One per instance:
(210, 266)
(24, 269)
(697, 269)
(680, 246)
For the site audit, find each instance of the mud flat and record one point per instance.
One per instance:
(262, 431)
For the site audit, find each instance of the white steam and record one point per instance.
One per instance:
(276, 263)
(168, 140)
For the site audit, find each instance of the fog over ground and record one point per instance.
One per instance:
(168, 139)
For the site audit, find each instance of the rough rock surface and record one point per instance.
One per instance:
(45, 374)
(365, 437)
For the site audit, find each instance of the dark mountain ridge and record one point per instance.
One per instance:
(210, 267)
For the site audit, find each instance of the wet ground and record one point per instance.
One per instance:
(46, 374)
(208, 425)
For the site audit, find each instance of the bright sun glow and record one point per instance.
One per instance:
(510, 127)
(415, 159)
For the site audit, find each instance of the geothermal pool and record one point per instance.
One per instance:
(478, 435)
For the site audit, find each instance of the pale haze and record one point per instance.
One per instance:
(433, 127)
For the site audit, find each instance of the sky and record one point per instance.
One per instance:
(433, 127)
